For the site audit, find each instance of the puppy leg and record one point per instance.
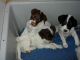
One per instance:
(74, 34)
(78, 53)
(57, 46)
(65, 45)
(50, 45)
(18, 53)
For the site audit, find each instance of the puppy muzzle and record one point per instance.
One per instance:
(33, 23)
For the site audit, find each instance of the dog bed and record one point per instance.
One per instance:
(57, 54)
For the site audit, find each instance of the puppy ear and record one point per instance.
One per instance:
(73, 22)
(43, 17)
(46, 34)
(62, 18)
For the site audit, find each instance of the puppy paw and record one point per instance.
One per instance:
(28, 51)
(77, 44)
(20, 59)
(65, 45)
(59, 46)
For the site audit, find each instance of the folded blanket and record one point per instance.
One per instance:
(58, 54)
(50, 54)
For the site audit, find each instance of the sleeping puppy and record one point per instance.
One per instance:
(38, 34)
(68, 23)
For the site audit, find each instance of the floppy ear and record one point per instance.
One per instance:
(73, 22)
(46, 34)
(43, 17)
(62, 18)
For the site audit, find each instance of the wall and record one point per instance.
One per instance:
(2, 0)
(11, 38)
(45, 0)
(6, 1)
(1, 22)
(2, 6)
(51, 9)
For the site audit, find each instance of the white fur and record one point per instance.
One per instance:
(64, 35)
(30, 39)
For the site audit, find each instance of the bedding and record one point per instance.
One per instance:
(57, 54)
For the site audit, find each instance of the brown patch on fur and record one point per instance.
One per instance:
(37, 16)
(46, 34)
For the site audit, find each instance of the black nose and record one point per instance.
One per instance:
(65, 30)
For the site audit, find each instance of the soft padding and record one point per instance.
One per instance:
(58, 54)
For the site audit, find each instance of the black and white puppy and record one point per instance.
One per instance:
(38, 33)
(67, 25)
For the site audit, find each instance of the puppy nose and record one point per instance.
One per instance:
(33, 21)
(65, 30)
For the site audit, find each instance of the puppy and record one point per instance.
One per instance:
(67, 25)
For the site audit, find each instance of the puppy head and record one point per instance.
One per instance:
(67, 22)
(37, 16)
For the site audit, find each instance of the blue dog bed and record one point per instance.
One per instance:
(57, 54)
